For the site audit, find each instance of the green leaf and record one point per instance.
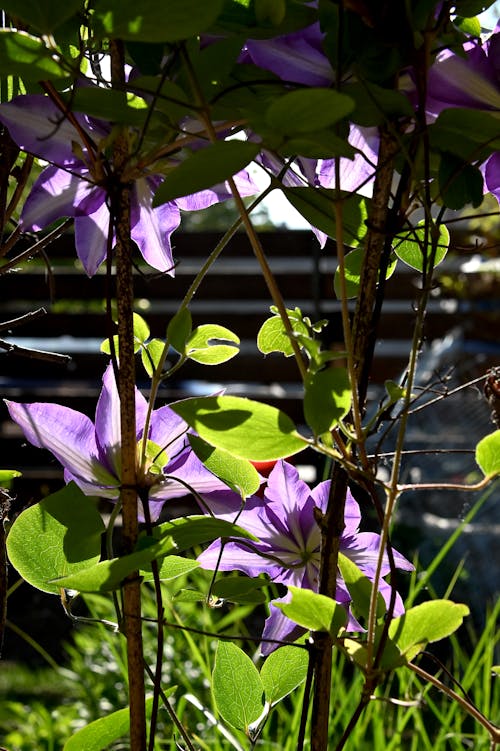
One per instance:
(238, 474)
(469, 134)
(283, 671)
(317, 144)
(353, 265)
(27, 57)
(460, 183)
(316, 206)
(179, 330)
(488, 454)
(273, 338)
(205, 168)
(360, 588)
(171, 568)
(240, 589)
(99, 734)
(7, 475)
(374, 104)
(141, 328)
(189, 531)
(151, 354)
(44, 15)
(108, 575)
(59, 536)
(236, 686)
(109, 104)
(201, 346)
(307, 110)
(314, 611)
(327, 399)
(469, 26)
(245, 428)
(150, 21)
(425, 623)
(411, 250)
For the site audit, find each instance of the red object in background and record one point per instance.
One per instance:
(264, 468)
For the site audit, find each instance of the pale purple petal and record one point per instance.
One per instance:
(152, 227)
(455, 81)
(296, 57)
(112, 492)
(68, 434)
(39, 127)
(285, 491)
(168, 430)
(54, 195)
(356, 175)
(108, 423)
(91, 238)
(278, 628)
(237, 556)
(220, 192)
(492, 174)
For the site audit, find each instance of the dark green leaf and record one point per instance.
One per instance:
(374, 104)
(306, 110)
(151, 21)
(205, 168)
(460, 183)
(316, 206)
(188, 531)
(59, 536)
(469, 134)
(245, 428)
(236, 686)
(327, 399)
(108, 104)
(179, 329)
(239, 589)
(44, 15)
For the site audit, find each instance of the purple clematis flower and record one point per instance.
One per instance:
(74, 185)
(472, 81)
(90, 452)
(288, 550)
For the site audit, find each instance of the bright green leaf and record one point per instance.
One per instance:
(360, 588)
(59, 536)
(6, 475)
(327, 399)
(151, 355)
(273, 338)
(488, 454)
(308, 109)
(150, 21)
(239, 474)
(411, 250)
(205, 168)
(353, 265)
(99, 734)
(171, 568)
(245, 428)
(425, 623)
(141, 328)
(283, 671)
(27, 57)
(203, 344)
(314, 611)
(236, 686)
(189, 531)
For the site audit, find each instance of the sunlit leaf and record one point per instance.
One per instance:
(236, 686)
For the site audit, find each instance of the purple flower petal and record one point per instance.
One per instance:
(296, 57)
(68, 434)
(492, 174)
(54, 195)
(91, 238)
(152, 228)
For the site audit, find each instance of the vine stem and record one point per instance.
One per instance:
(132, 624)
